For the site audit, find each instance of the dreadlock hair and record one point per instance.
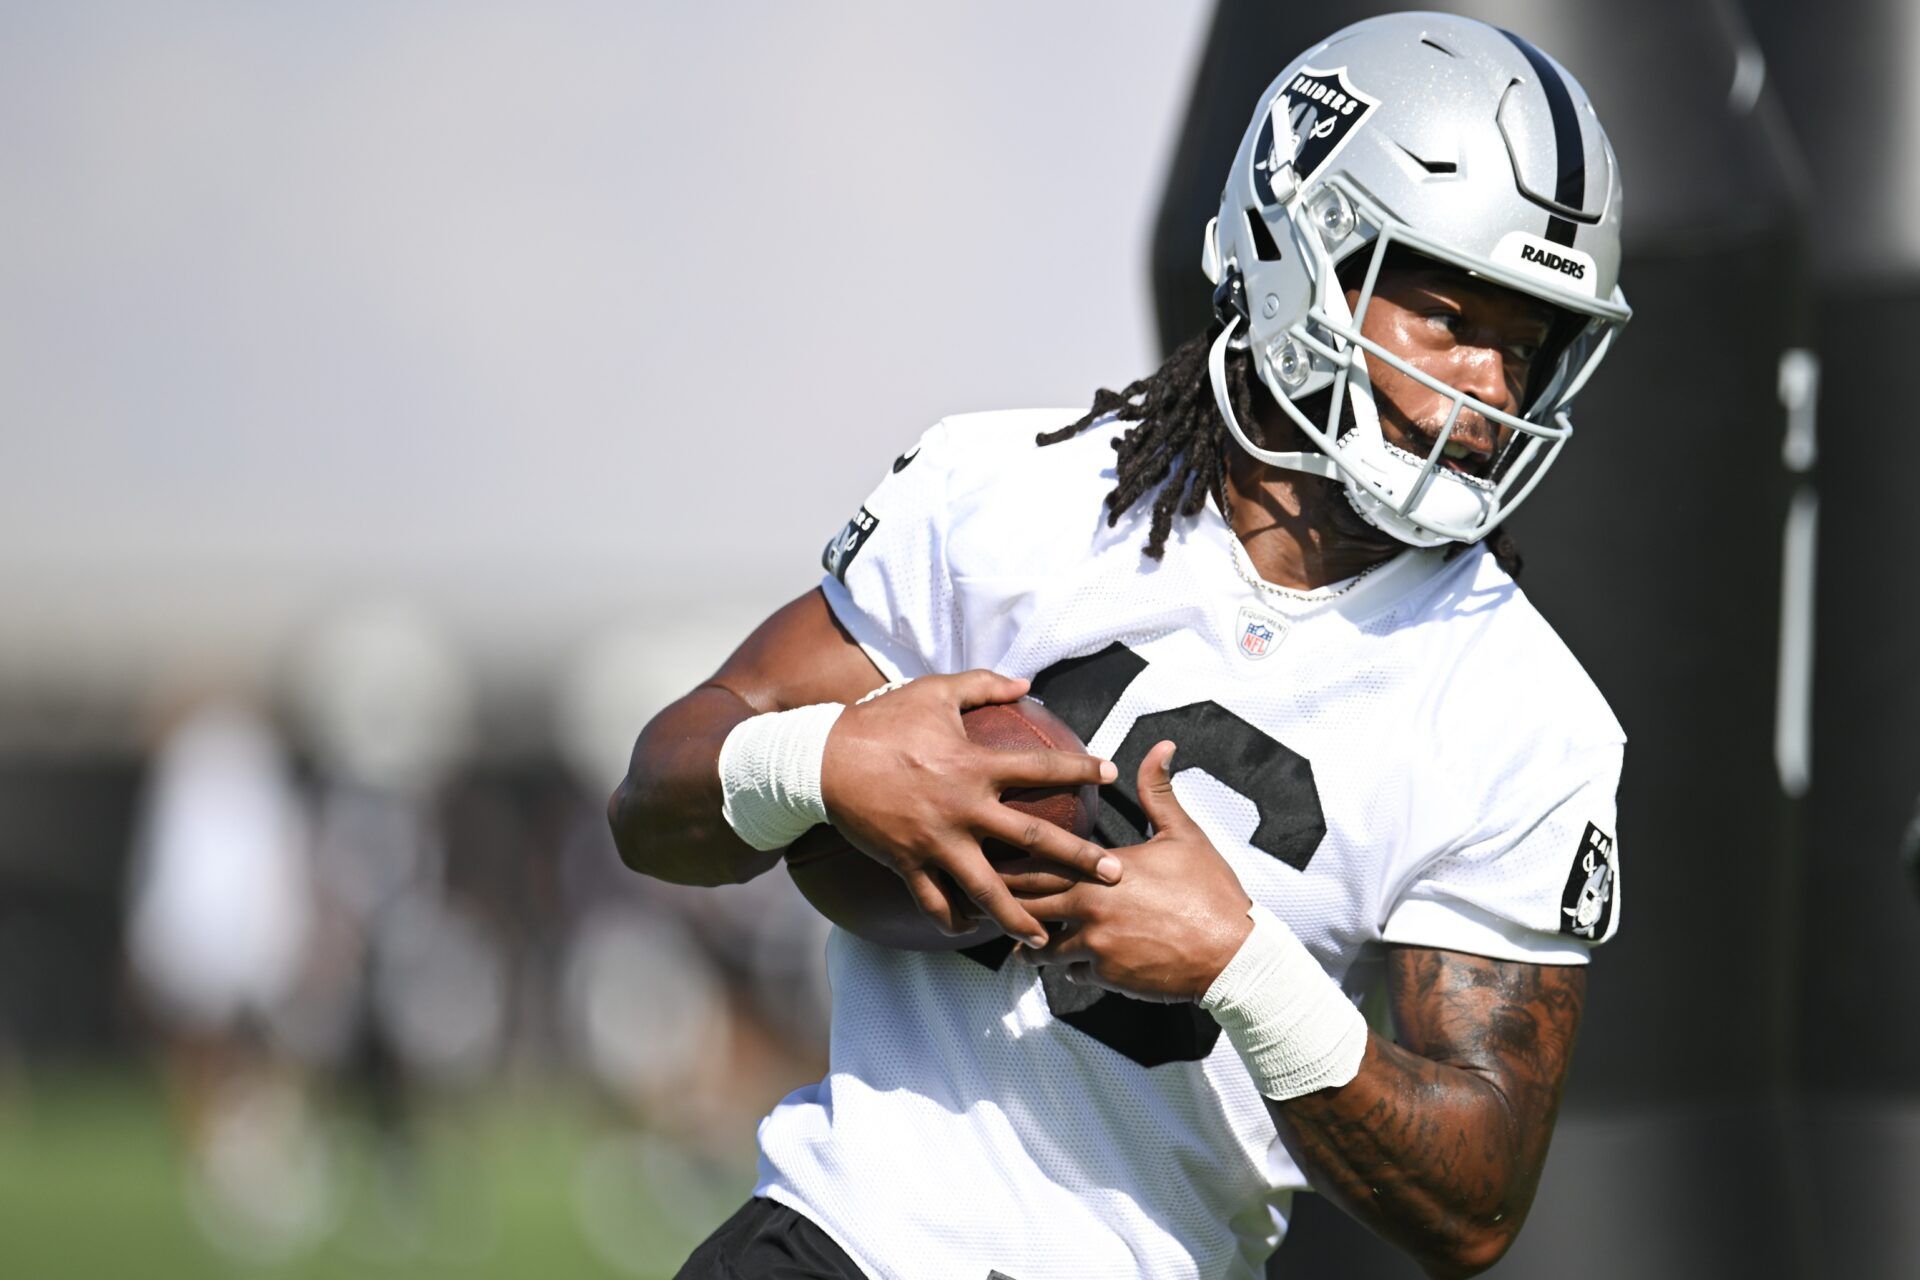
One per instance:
(1180, 439)
(1180, 434)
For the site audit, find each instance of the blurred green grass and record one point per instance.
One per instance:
(510, 1183)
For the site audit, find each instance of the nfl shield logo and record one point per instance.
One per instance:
(1260, 633)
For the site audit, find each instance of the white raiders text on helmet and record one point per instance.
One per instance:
(1451, 139)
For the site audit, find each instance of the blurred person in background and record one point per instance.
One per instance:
(749, 1011)
(315, 380)
(221, 920)
(415, 988)
(689, 1063)
(1414, 262)
(279, 938)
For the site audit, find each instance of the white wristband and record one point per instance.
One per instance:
(770, 774)
(1294, 1027)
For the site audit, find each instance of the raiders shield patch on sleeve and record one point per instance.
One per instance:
(843, 546)
(1586, 908)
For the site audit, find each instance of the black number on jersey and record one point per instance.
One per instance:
(1275, 778)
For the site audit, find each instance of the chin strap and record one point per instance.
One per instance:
(1368, 506)
(1313, 463)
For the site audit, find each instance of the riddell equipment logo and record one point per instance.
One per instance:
(1564, 267)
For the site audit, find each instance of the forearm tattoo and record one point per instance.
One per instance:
(1437, 1144)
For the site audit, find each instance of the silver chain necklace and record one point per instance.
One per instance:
(1243, 565)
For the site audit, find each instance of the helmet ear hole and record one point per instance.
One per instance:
(1263, 246)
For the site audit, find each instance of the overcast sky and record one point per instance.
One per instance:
(538, 315)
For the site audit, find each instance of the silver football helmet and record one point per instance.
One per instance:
(1452, 139)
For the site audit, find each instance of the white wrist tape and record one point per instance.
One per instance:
(770, 774)
(1293, 1025)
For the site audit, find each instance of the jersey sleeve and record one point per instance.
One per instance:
(887, 578)
(1539, 882)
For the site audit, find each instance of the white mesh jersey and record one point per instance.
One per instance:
(1415, 758)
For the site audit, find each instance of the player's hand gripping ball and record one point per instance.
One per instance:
(865, 897)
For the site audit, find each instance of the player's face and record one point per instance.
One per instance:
(1473, 336)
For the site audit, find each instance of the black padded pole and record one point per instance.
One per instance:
(1845, 72)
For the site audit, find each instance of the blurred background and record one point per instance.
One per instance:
(402, 402)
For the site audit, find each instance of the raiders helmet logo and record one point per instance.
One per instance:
(1311, 119)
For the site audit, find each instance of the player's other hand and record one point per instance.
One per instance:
(1172, 923)
(902, 782)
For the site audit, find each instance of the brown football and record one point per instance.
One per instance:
(868, 900)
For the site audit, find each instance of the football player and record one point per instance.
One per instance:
(1269, 588)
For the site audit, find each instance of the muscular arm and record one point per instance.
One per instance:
(898, 776)
(666, 814)
(1437, 1144)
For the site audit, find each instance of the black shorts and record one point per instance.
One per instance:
(768, 1241)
